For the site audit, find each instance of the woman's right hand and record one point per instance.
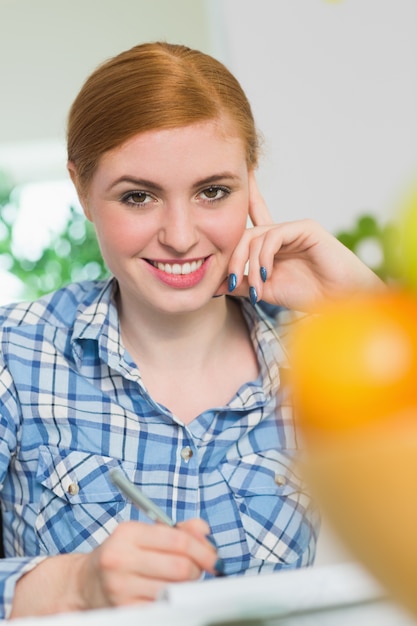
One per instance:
(131, 566)
(138, 560)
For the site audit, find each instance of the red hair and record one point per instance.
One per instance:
(153, 86)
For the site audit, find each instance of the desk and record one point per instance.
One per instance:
(333, 595)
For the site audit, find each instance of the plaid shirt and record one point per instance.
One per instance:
(73, 406)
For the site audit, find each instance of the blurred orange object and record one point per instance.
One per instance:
(356, 361)
(354, 376)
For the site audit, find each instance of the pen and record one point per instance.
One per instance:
(147, 506)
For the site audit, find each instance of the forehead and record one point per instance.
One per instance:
(208, 144)
(220, 129)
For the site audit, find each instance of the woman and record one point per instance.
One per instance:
(169, 370)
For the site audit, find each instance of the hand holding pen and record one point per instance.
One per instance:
(131, 564)
(147, 506)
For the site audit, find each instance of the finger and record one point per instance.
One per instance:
(272, 243)
(241, 255)
(196, 526)
(199, 529)
(134, 589)
(158, 538)
(166, 566)
(258, 210)
(242, 288)
(154, 552)
(256, 276)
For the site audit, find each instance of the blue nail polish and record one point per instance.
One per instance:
(263, 273)
(232, 281)
(219, 567)
(253, 295)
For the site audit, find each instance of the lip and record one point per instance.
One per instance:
(176, 278)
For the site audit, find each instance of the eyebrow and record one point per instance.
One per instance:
(149, 184)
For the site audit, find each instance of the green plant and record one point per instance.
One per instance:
(380, 239)
(72, 254)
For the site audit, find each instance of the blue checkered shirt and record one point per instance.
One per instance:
(73, 406)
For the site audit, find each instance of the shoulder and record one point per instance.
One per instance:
(277, 323)
(279, 316)
(58, 308)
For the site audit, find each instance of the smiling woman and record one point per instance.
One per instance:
(170, 369)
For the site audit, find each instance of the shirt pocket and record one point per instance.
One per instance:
(272, 506)
(78, 506)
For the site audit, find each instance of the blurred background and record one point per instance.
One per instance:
(333, 88)
(332, 85)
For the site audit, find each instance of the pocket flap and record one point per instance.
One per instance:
(268, 474)
(79, 477)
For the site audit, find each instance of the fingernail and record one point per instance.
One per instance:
(219, 567)
(253, 295)
(263, 273)
(232, 281)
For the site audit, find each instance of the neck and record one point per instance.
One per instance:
(182, 340)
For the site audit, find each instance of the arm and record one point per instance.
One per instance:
(131, 566)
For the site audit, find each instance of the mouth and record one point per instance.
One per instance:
(177, 268)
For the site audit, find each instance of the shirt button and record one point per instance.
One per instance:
(73, 489)
(280, 480)
(186, 453)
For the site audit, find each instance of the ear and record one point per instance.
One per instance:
(82, 196)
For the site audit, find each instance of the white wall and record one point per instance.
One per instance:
(49, 47)
(334, 89)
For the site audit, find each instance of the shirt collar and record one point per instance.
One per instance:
(97, 320)
(263, 324)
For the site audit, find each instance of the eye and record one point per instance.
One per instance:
(136, 198)
(214, 192)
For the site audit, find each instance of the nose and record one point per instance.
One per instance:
(178, 229)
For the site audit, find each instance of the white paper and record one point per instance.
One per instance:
(279, 592)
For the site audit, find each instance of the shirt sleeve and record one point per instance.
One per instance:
(10, 571)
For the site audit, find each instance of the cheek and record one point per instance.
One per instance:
(233, 227)
(118, 233)
(111, 236)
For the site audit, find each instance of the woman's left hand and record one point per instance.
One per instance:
(293, 264)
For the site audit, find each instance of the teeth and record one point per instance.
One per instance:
(179, 268)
